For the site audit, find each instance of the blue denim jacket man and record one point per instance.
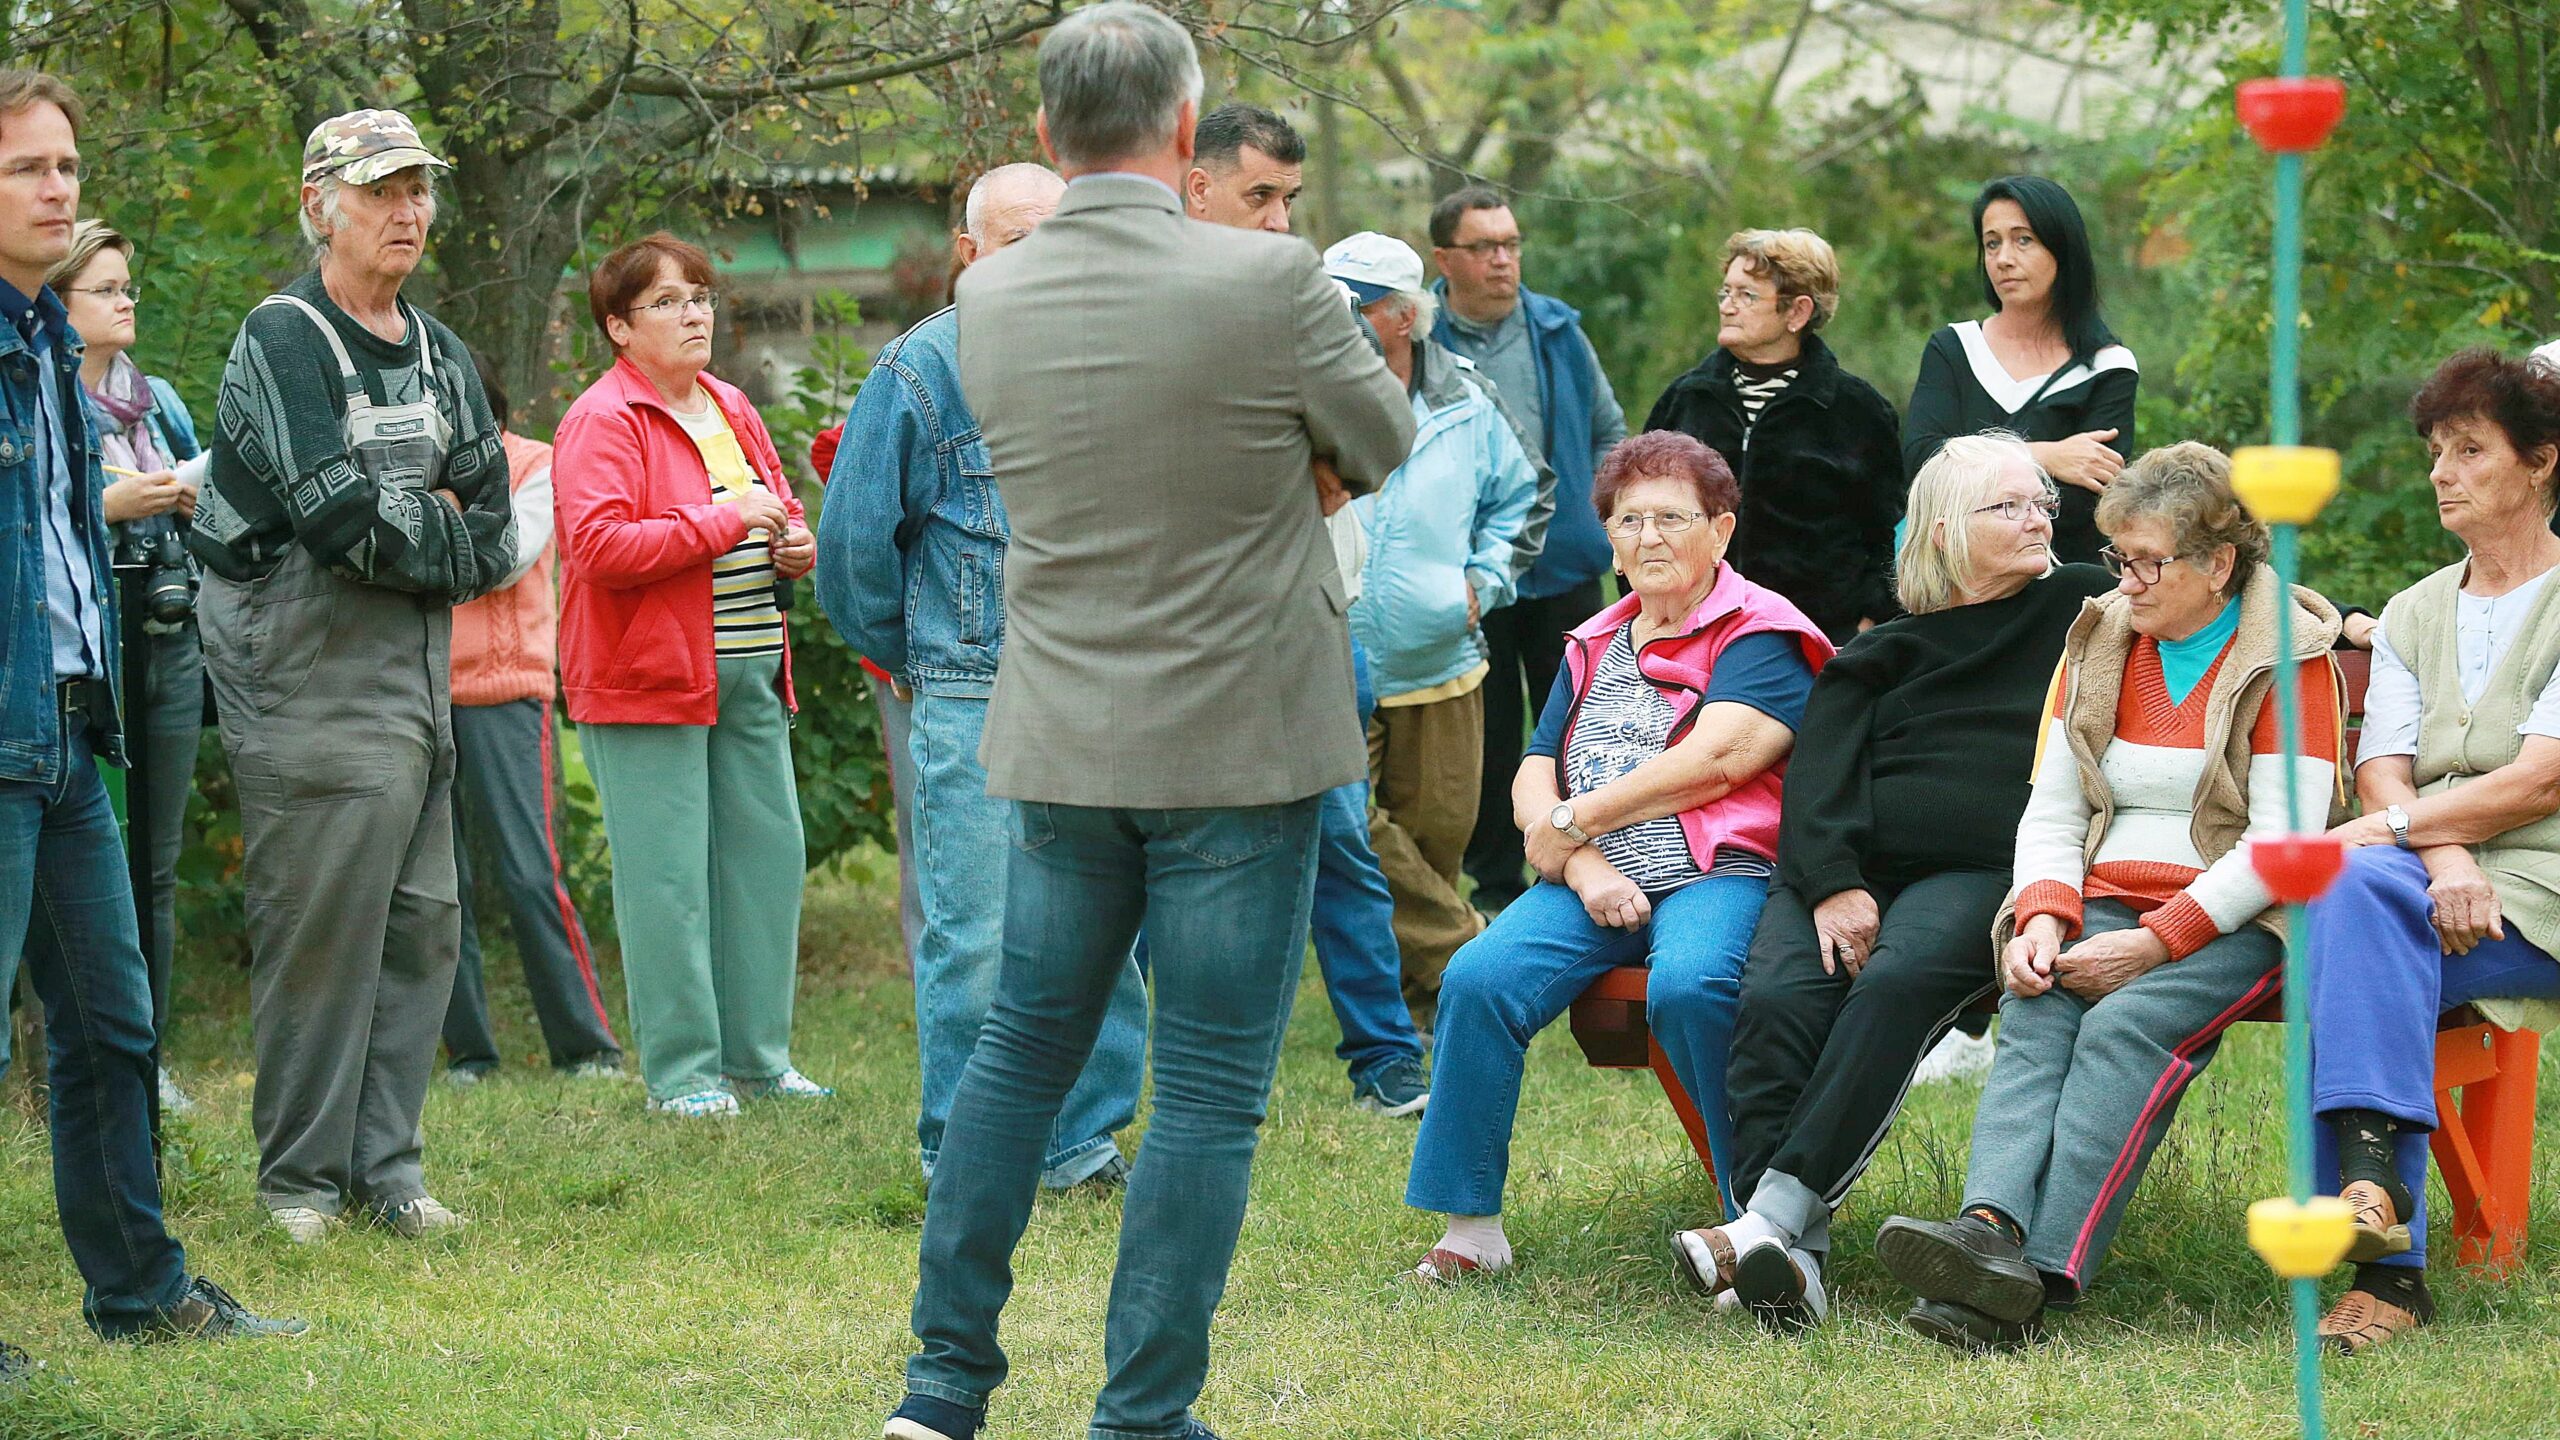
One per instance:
(911, 547)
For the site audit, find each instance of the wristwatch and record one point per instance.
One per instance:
(2398, 820)
(1561, 817)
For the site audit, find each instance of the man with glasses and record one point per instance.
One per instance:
(65, 894)
(1532, 348)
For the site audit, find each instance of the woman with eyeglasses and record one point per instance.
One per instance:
(1648, 804)
(1894, 845)
(675, 521)
(2042, 364)
(2135, 931)
(146, 434)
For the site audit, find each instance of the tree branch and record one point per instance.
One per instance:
(674, 83)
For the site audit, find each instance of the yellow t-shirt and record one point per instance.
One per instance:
(743, 618)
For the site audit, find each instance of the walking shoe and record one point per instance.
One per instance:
(2361, 1320)
(173, 1101)
(418, 1218)
(207, 1312)
(1112, 1175)
(1706, 1257)
(463, 1077)
(1962, 1327)
(1956, 1057)
(600, 1067)
(1397, 1090)
(16, 1365)
(922, 1417)
(700, 1105)
(301, 1224)
(2378, 1231)
(1782, 1287)
(1967, 1260)
(789, 1085)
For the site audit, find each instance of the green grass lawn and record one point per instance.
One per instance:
(626, 1276)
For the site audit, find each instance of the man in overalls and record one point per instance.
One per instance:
(358, 493)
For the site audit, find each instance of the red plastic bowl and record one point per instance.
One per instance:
(2290, 115)
(2297, 867)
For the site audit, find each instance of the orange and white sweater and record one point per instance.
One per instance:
(2154, 769)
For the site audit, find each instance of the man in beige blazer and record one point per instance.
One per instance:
(1174, 698)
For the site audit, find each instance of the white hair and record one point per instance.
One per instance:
(333, 211)
(1934, 562)
(973, 211)
(1420, 304)
(2547, 355)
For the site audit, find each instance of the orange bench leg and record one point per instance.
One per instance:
(1686, 1108)
(2483, 1142)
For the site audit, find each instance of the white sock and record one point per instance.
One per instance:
(1753, 1229)
(1478, 1238)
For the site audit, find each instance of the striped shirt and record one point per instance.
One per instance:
(744, 620)
(1757, 387)
(1624, 721)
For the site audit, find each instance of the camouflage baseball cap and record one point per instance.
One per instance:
(362, 146)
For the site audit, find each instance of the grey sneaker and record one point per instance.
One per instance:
(301, 1224)
(463, 1077)
(600, 1067)
(207, 1312)
(173, 1101)
(1401, 1089)
(419, 1218)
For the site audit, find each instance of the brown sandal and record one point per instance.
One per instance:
(2378, 1229)
(2361, 1320)
(1719, 1248)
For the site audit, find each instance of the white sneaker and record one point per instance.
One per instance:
(789, 1085)
(173, 1101)
(419, 1218)
(1959, 1056)
(700, 1105)
(300, 1223)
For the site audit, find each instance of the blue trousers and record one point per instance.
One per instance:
(65, 890)
(960, 865)
(2379, 979)
(1355, 935)
(1225, 893)
(1512, 981)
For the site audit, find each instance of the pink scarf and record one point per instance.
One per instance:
(124, 404)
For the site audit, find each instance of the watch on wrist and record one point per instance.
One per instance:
(2398, 820)
(1561, 817)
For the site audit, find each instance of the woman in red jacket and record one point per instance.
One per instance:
(676, 520)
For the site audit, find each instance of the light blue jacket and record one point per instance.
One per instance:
(1443, 525)
(911, 533)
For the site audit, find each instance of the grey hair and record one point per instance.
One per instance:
(1420, 304)
(333, 210)
(2188, 486)
(973, 211)
(1935, 559)
(1113, 78)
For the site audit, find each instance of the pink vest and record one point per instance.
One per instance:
(506, 642)
(1678, 666)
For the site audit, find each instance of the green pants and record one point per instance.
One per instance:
(707, 862)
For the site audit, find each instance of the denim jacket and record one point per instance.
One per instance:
(912, 536)
(29, 744)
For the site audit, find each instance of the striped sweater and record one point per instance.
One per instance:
(2154, 767)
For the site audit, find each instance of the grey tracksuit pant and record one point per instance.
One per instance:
(334, 709)
(2080, 1093)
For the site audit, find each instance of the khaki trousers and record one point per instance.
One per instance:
(1426, 763)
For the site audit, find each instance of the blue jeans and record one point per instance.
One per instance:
(65, 889)
(960, 862)
(1355, 933)
(2379, 979)
(1226, 894)
(1512, 981)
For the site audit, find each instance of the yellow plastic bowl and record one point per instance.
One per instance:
(2301, 1239)
(2284, 484)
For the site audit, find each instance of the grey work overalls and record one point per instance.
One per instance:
(334, 697)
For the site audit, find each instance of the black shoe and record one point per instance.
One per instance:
(1111, 1178)
(1967, 1260)
(207, 1312)
(922, 1417)
(16, 1366)
(1964, 1328)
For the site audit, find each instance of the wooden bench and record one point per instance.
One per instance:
(2485, 1081)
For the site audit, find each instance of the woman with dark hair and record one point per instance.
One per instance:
(2042, 366)
(1648, 802)
(2452, 895)
(675, 520)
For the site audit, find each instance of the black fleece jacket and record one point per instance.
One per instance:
(1821, 481)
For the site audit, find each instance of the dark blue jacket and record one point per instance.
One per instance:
(1577, 549)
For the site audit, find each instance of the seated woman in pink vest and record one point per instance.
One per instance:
(1649, 806)
(2452, 895)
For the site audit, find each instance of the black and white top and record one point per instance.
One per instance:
(1623, 722)
(1756, 386)
(1964, 390)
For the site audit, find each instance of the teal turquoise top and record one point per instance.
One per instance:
(2184, 662)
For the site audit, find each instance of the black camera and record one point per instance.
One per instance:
(154, 548)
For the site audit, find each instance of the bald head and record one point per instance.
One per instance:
(1006, 204)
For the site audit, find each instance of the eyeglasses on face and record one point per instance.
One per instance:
(2142, 568)
(1487, 249)
(1665, 522)
(2017, 508)
(1739, 299)
(109, 293)
(675, 305)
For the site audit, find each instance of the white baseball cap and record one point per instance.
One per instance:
(1374, 266)
(2548, 354)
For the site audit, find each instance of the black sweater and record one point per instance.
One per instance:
(1821, 478)
(2090, 393)
(1919, 742)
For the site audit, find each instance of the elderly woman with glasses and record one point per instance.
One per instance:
(2136, 931)
(1649, 805)
(676, 522)
(1894, 846)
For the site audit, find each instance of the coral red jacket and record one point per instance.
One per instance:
(638, 532)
